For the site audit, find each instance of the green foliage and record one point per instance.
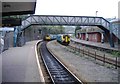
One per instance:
(116, 53)
(55, 30)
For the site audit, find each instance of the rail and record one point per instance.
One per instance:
(57, 72)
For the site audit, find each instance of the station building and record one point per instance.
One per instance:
(96, 34)
(90, 33)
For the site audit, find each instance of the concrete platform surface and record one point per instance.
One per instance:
(19, 64)
(99, 44)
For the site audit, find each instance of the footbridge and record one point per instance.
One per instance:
(68, 21)
(65, 20)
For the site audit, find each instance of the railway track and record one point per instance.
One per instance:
(57, 71)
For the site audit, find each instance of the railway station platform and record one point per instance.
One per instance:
(19, 64)
(95, 44)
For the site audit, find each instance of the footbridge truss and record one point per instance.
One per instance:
(65, 20)
(68, 21)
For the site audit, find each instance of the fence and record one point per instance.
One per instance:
(94, 55)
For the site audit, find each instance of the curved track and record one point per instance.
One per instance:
(58, 73)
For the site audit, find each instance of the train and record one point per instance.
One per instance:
(63, 39)
(47, 37)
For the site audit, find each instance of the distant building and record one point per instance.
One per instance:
(95, 34)
(91, 33)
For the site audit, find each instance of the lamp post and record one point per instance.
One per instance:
(96, 13)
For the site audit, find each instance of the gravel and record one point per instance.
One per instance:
(83, 67)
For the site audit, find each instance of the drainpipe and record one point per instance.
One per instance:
(87, 34)
(102, 38)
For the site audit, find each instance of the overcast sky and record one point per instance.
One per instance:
(105, 8)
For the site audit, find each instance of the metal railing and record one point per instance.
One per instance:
(96, 56)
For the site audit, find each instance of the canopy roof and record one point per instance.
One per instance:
(18, 8)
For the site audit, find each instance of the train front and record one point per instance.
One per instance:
(66, 39)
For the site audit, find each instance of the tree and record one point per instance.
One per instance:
(55, 29)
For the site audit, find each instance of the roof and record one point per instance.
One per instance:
(18, 8)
